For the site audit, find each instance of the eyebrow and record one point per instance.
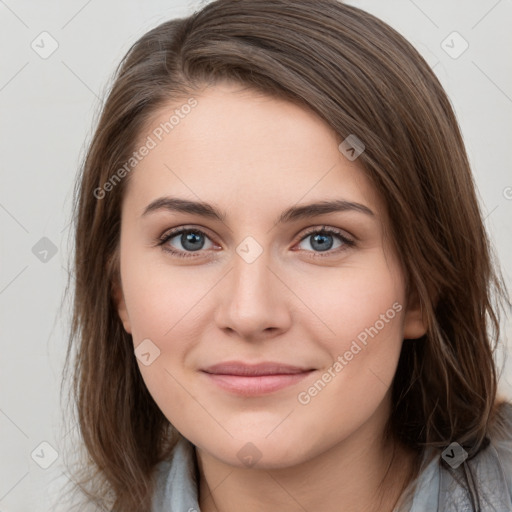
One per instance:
(175, 204)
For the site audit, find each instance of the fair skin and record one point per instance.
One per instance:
(253, 157)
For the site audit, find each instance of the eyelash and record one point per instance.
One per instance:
(348, 243)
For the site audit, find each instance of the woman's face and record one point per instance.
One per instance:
(262, 283)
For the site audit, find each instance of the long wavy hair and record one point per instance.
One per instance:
(363, 78)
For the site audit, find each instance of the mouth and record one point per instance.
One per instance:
(253, 380)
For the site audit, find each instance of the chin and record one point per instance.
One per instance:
(257, 452)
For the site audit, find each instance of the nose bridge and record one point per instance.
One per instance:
(252, 302)
(251, 269)
(251, 276)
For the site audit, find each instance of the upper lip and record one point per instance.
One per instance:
(265, 368)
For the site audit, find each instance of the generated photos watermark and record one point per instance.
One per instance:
(151, 143)
(357, 345)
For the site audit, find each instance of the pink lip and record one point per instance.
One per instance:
(258, 379)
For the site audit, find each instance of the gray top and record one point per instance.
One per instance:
(438, 487)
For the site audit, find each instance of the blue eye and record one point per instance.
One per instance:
(321, 239)
(193, 241)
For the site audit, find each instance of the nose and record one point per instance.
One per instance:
(253, 300)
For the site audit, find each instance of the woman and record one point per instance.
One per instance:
(284, 290)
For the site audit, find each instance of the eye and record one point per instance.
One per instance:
(321, 240)
(192, 240)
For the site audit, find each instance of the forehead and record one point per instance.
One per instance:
(242, 145)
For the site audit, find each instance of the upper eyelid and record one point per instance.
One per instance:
(330, 230)
(180, 229)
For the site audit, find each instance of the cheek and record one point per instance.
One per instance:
(360, 360)
(348, 301)
(166, 306)
(361, 312)
(162, 299)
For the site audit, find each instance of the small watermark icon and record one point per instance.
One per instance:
(44, 455)
(249, 454)
(146, 352)
(249, 249)
(454, 45)
(351, 147)
(454, 455)
(507, 193)
(44, 250)
(44, 45)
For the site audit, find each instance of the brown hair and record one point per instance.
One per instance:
(362, 78)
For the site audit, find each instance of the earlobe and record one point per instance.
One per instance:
(415, 324)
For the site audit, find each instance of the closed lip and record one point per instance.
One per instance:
(246, 369)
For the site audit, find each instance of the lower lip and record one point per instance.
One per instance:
(256, 385)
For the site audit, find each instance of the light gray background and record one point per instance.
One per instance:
(48, 108)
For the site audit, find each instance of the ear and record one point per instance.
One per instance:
(415, 324)
(118, 296)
